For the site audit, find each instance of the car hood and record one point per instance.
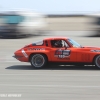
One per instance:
(92, 47)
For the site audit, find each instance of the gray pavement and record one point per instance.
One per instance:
(50, 83)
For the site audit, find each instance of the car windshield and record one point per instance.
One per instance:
(38, 43)
(74, 43)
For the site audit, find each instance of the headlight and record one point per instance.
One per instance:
(95, 50)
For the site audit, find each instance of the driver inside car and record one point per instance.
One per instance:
(57, 43)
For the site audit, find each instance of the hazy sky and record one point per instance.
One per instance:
(53, 6)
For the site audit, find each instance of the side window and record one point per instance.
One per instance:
(59, 43)
(38, 43)
(64, 43)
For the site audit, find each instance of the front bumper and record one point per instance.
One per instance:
(17, 57)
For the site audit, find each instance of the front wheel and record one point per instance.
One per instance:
(97, 61)
(38, 60)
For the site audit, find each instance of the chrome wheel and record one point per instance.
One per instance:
(38, 60)
(97, 61)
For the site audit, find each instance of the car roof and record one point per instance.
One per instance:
(54, 38)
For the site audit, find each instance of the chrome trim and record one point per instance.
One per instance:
(17, 56)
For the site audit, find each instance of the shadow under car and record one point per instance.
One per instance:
(53, 67)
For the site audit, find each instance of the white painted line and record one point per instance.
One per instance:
(50, 75)
(54, 86)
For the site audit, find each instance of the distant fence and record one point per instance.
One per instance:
(50, 16)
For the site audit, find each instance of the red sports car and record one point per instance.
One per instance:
(59, 50)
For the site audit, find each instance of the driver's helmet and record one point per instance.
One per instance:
(58, 43)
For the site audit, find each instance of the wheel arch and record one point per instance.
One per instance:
(94, 58)
(36, 53)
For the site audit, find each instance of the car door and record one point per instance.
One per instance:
(63, 54)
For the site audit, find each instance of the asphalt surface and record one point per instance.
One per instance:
(19, 81)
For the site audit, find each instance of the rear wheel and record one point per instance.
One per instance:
(97, 61)
(38, 60)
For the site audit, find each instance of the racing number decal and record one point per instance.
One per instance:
(62, 53)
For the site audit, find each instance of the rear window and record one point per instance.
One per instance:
(38, 43)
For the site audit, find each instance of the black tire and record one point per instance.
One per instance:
(97, 61)
(38, 61)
